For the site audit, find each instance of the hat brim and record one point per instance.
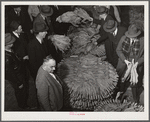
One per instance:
(100, 13)
(109, 30)
(46, 29)
(11, 42)
(47, 14)
(134, 35)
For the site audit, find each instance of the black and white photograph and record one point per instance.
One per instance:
(74, 60)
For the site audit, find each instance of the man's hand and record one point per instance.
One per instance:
(94, 41)
(127, 62)
(21, 86)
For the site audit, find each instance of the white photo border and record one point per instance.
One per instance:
(90, 116)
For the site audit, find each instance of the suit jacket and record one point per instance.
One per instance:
(37, 52)
(39, 18)
(20, 46)
(139, 58)
(49, 91)
(23, 19)
(115, 39)
(14, 69)
(103, 33)
(55, 53)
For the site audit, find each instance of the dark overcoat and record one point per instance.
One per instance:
(37, 52)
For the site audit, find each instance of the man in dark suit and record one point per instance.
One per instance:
(49, 87)
(102, 11)
(20, 14)
(20, 45)
(44, 17)
(15, 72)
(115, 33)
(37, 48)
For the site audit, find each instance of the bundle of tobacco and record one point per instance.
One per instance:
(111, 105)
(60, 42)
(75, 17)
(84, 40)
(87, 81)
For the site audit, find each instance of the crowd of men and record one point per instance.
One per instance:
(29, 51)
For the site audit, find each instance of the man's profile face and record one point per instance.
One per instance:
(51, 64)
(19, 30)
(18, 9)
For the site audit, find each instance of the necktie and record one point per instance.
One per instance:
(132, 41)
(114, 34)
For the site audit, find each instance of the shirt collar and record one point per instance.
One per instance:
(43, 16)
(16, 34)
(39, 40)
(54, 77)
(105, 17)
(115, 32)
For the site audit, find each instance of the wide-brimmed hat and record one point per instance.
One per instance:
(9, 39)
(40, 27)
(132, 31)
(14, 25)
(110, 26)
(46, 10)
(100, 9)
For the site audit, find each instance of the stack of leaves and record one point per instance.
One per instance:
(112, 105)
(60, 42)
(84, 39)
(136, 16)
(76, 17)
(87, 81)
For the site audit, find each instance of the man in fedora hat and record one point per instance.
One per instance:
(102, 12)
(20, 45)
(19, 13)
(114, 33)
(38, 47)
(131, 54)
(44, 16)
(15, 72)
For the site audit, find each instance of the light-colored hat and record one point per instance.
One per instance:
(46, 10)
(110, 26)
(100, 9)
(132, 31)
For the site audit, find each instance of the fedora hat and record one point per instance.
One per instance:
(110, 26)
(14, 25)
(46, 10)
(100, 9)
(132, 31)
(40, 27)
(9, 39)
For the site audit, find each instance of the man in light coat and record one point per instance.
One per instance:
(49, 88)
